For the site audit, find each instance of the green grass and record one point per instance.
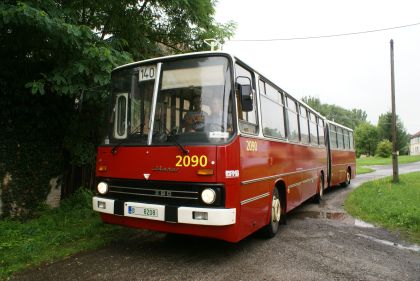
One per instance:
(393, 206)
(403, 159)
(363, 170)
(55, 234)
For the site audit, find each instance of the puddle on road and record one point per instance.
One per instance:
(332, 215)
(320, 215)
(347, 219)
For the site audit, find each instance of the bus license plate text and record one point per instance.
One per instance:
(143, 212)
(149, 212)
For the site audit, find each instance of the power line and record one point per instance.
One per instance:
(325, 36)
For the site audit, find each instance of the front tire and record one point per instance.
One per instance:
(272, 227)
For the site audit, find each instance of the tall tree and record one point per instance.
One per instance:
(385, 132)
(366, 139)
(53, 51)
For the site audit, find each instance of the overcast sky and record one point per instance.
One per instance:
(349, 71)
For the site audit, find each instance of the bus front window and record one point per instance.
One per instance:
(130, 108)
(193, 103)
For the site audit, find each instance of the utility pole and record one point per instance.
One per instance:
(395, 178)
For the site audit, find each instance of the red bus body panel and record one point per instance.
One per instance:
(260, 170)
(341, 160)
(135, 162)
(274, 162)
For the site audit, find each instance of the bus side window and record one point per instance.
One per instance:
(292, 120)
(313, 129)
(272, 111)
(248, 122)
(346, 139)
(340, 139)
(333, 136)
(321, 137)
(303, 125)
(351, 140)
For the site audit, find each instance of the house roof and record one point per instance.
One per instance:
(416, 135)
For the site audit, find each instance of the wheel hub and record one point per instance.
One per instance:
(276, 210)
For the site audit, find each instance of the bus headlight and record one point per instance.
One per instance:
(102, 187)
(208, 196)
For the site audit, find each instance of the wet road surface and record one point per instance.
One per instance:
(319, 242)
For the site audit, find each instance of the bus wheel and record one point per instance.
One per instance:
(271, 229)
(318, 197)
(348, 179)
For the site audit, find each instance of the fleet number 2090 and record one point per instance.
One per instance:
(193, 161)
(251, 146)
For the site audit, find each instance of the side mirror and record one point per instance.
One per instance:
(245, 93)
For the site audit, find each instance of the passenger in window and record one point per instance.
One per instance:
(194, 119)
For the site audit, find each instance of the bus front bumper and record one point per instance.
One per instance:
(171, 214)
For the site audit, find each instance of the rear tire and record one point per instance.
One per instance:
(270, 230)
(348, 179)
(320, 195)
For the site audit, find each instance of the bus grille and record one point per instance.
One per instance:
(160, 192)
(156, 193)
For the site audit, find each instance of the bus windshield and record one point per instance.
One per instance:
(193, 104)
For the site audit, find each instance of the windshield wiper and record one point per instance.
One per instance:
(181, 147)
(138, 129)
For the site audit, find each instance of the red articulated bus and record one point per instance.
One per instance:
(202, 144)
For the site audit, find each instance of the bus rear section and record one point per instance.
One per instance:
(341, 155)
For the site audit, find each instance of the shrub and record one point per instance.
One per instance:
(384, 149)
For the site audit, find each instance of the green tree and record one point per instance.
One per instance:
(366, 139)
(385, 132)
(349, 118)
(54, 51)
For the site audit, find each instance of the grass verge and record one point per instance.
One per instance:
(403, 159)
(55, 234)
(393, 206)
(363, 170)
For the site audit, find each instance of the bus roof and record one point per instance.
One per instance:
(175, 56)
(339, 125)
(234, 58)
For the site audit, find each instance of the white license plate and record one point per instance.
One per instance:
(143, 212)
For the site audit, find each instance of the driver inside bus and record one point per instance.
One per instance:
(194, 119)
(214, 122)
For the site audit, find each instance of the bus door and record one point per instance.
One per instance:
(329, 164)
(254, 194)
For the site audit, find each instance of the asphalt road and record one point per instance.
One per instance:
(319, 242)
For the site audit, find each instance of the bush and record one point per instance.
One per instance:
(384, 149)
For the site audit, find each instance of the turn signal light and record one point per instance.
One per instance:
(205, 172)
(102, 168)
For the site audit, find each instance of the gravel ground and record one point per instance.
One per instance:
(319, 242)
